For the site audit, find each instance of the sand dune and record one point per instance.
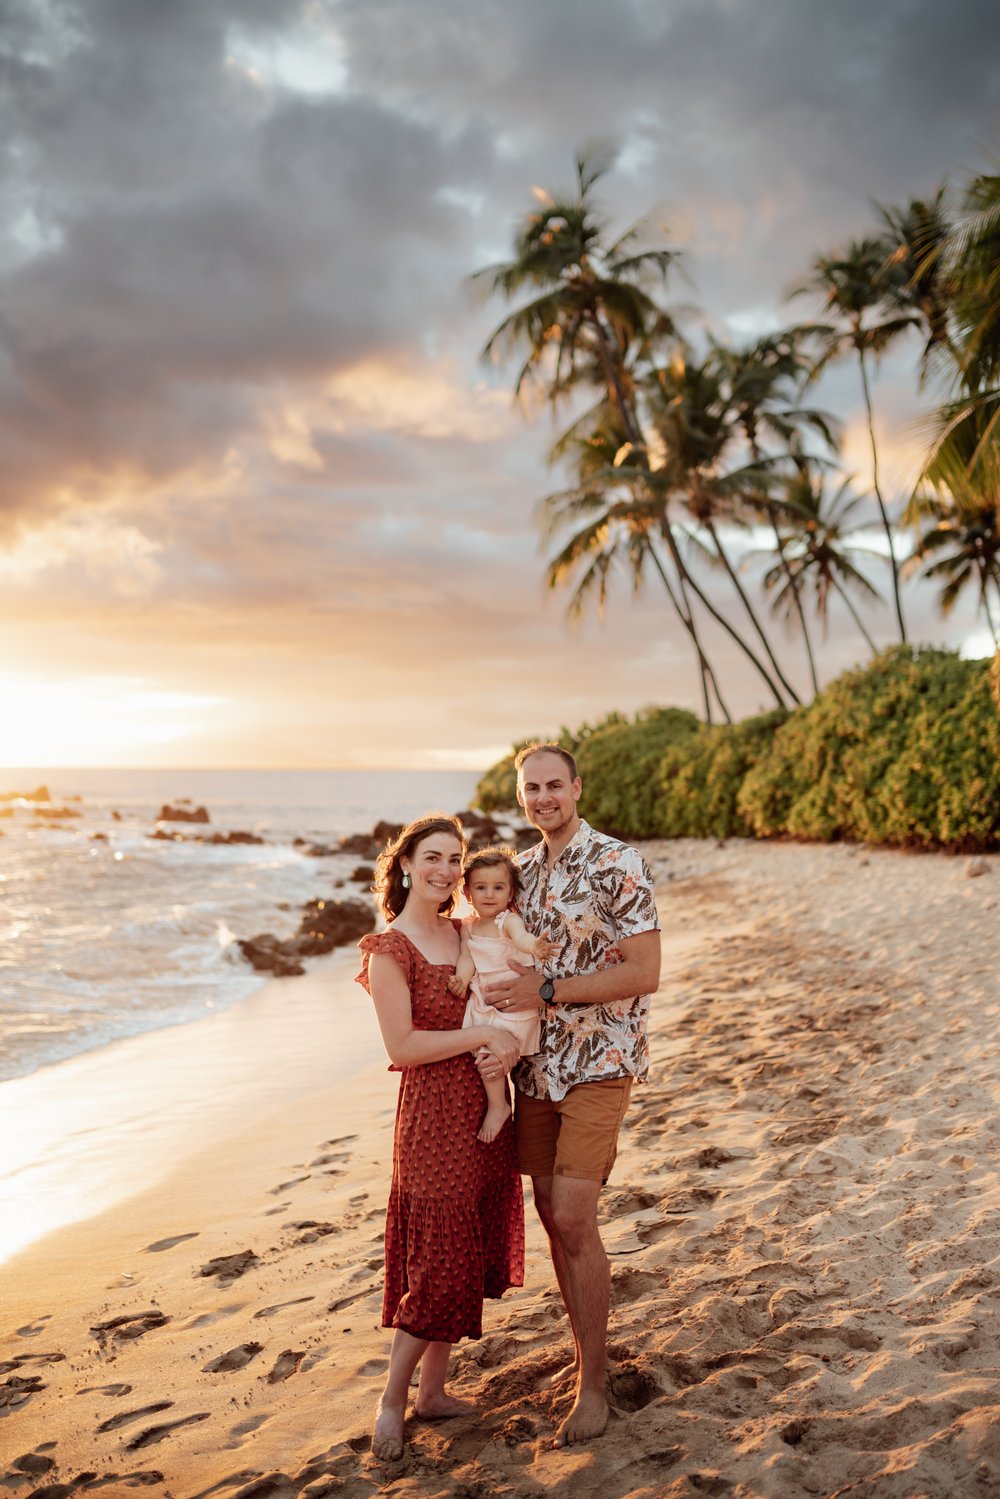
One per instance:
(804, 1224)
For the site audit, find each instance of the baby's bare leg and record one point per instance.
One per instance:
(497, 1109)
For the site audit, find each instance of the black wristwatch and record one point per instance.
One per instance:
(547, 991)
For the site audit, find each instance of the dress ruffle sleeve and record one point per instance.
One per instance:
(395, 945)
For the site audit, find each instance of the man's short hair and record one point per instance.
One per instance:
(546, 749)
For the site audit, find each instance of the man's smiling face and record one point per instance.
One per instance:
(547, 792)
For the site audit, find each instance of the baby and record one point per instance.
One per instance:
(490, 938)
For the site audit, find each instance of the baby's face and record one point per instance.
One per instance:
(489, 889)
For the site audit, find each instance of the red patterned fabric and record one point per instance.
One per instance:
(454, 1229)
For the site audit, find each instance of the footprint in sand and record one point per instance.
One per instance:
(153, 1434)
(115, 1390)
(32, 1329)
(236, 1358)
(133, 1325)
(33, 1463)
(309, 1230)
(286, 1186)
(162, 1244)
(124, 1417)
(340, 1140)
(372, 1367)
(269, 1311)
(229, 1267)
(287, 1363)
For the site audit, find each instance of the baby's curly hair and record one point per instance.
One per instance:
(489, 858)
(387, 886)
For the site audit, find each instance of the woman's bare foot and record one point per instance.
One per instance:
(387, 1438)
(496, 1117)
(440, 1407)
(587, 1419)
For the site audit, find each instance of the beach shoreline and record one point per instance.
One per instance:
(803, 1227)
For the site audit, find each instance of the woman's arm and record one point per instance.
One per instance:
(408, 1047)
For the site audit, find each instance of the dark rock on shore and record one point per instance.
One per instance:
(57, 812)
(362, 874)
(182, 813)
(365, 845)
(325, 924)
(267, 954)
(236, 837)
(315, 850)
(40, 794)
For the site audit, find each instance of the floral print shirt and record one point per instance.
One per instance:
(599, 891)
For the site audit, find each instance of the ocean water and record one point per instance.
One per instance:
(103, 937)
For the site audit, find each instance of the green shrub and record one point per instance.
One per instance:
(701, 778)
(619, 764)
(906, 752)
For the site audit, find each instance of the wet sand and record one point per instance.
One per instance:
(804, 1226)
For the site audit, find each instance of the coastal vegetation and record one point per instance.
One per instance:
(705, 465)
(904, 752)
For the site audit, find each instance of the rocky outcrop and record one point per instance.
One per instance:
(40, 794)
(325, 924)
(182, 812)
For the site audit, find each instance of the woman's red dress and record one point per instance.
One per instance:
(454, 1228)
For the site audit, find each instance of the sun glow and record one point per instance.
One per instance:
(91, 721)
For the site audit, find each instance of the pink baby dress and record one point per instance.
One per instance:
(491, 956)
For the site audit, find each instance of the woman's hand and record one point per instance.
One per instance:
(500, 1045)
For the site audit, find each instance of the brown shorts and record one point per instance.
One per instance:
(572, 1136)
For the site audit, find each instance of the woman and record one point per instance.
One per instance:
(454, 1228)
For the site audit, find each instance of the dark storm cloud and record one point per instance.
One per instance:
(196, 236)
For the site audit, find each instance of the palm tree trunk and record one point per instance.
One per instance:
(878, 495)
(854, 614)
(724, 559)
(699, 593)
(687, 619)
(793, 584)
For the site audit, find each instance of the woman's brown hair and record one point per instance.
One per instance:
(387, 886)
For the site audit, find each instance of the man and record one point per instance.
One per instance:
(594, 895)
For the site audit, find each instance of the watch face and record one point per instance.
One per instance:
(547, 990)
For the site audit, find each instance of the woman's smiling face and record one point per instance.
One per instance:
(435, 866)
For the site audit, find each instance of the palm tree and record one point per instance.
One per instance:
(960, 502)
(693, 436)
(763, 381)
(591, 311)
(607, 525)
(854, 289)
(819, 548)
(916, 275)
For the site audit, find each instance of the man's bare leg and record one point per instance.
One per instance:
(390, 1414)
(433, 1401)
(584, 1276)
(542, 1191)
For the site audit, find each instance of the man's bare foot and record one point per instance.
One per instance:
(496, 1117)
(441, 1407)
(387, 1438)
(565, 1375)
(587, 1419)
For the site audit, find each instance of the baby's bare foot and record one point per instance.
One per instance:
(440, 1407)
(387, 1438)
(587, 1419)
(496, 1117)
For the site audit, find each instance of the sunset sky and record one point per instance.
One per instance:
(260, 502)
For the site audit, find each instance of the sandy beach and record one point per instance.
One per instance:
(804, 1224)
